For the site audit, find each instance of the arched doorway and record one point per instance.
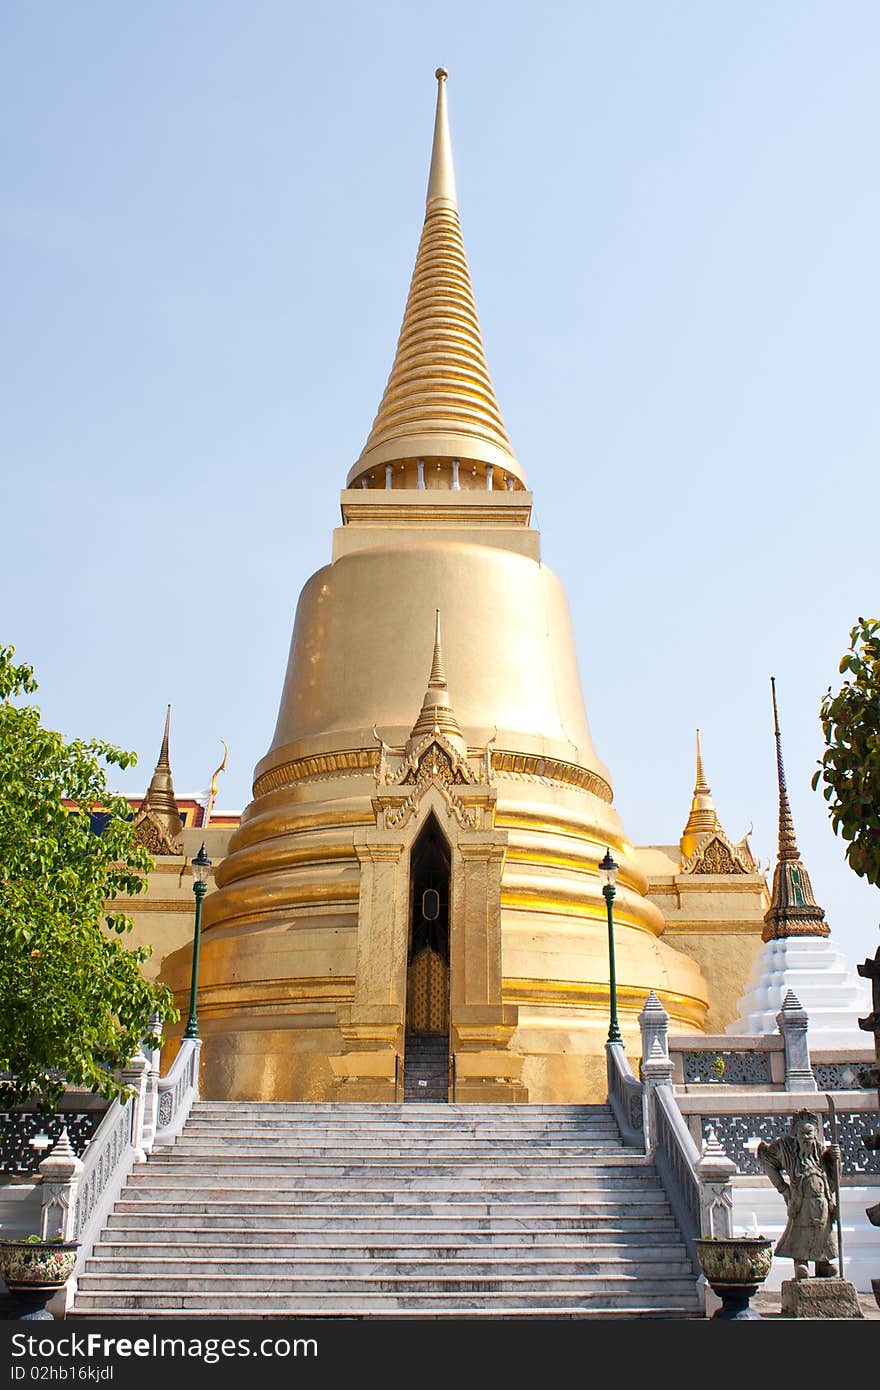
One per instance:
(426, 1059)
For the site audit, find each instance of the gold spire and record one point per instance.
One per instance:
(437, 714)
(439, 402)
(703, 816)
(160, 800)
(793, 910)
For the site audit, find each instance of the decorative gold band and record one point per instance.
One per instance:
(351, 762)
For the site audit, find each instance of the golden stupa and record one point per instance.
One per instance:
(420, 854)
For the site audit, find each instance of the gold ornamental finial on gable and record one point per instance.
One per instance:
(158, 823)
(439, 402)
(703, 817)
(437, 715)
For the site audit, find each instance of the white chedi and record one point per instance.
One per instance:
(817, 971)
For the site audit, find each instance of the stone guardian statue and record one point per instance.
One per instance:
(807, 1173)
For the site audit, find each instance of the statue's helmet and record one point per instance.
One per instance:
(806, 1117)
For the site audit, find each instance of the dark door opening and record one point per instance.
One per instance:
(426, 1061)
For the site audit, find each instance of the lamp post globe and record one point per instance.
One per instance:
(201, 868)
(608, 874)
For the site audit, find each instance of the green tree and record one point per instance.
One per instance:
(74, 1004)
(850, 765)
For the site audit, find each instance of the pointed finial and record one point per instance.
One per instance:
(701, 784)
(164, 762)
(703, 818)
(160, 799)
(437, 715)
(441, 180)
(793, 910)
(437, 678)
(788, 848)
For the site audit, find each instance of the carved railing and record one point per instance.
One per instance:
(739, 1121)
(625, 1095)
(676, 1158)
(84, 1191)
(107, 1162)
(177, 1091)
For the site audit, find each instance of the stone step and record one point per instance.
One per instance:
(359, 1227)
(351, 1111)
(241, 1169)
(391, 1246)
(471, 1313)
(330, 1211)
(420, 1197)
(199, 1269)
(394, 1129)
(354, 1178)
(220, 1285)
(252, 1141)
(231, 1303)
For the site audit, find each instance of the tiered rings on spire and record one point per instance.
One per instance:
(793, 910)
(439, 403)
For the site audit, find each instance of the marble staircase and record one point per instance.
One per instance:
(395, 1211)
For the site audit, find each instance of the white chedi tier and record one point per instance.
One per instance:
(817, 971)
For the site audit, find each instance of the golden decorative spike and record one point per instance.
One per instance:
(437, 678)
(439, 403)
(793, 910)
(441, 180)
(437, 714)
(160, 800)
(703, 816)
(701, 783)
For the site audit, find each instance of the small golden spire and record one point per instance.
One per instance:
(439, 402)
(701, 784)
(160, 800)
(703, 816)
(437, 678)
(437, 716)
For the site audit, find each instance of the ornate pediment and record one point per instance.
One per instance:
(150, 832)
(434, 757)
(716, 854)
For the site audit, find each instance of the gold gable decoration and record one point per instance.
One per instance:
(150, 832)
(716, 854)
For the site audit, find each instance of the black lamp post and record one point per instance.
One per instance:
(201, 867)
(608, 875)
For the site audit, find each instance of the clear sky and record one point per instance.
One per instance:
(209, 214)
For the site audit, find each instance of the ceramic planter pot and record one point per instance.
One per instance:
(31, 1265)
(735, 1268)
(35, 1270)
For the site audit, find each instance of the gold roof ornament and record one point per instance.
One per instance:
(705, 846)
(793, 910)
(212, 793)
(157, 824)
(703, 816)
(439, 402)
(437, 715)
